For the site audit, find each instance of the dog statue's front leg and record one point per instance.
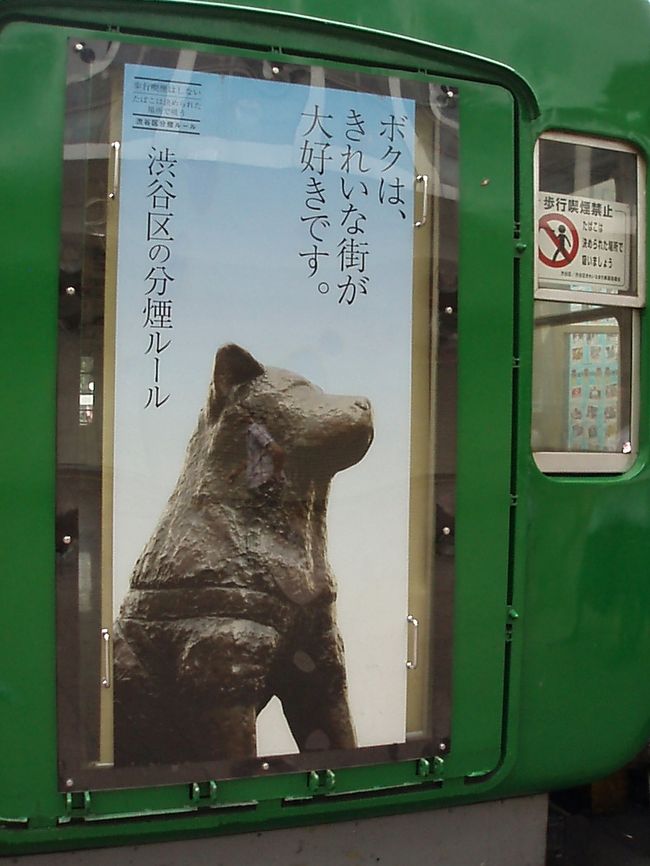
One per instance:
(312, 685)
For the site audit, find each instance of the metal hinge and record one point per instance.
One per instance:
(520, 246)
(511, 617)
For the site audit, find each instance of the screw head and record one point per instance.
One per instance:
(442, 747)
(69, 783)
(485, 181)
(266, 765)
(446, 530)
(71, 290)
(449, 310)
(86, 54)
(67, 539)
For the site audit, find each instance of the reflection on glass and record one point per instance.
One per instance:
(86, 391)
(242, 591)
(581, 381)
(589, 238)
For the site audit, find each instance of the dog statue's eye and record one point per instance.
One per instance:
(305, 387)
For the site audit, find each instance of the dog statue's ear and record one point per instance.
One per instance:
(232, 366)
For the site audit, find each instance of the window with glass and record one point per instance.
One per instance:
(589, 290)
(256, 443)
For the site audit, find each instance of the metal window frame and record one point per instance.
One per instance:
(599, 462)
(76, 773)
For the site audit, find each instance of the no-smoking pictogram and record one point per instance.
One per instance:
(559, 240)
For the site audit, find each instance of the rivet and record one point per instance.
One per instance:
(275, 70)
(71, 290)
(449, 310)
(67, 539)
(446, 530)
(69, 783)
(79, 46)
(485, 181)
(266, 765)
(442, 747)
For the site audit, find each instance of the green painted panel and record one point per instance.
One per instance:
(577, 699)
(485, 423)
(33, 150)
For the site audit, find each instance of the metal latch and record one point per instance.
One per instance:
(322, 781)
(106, 658)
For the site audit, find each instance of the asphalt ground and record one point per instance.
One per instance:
(606, 824)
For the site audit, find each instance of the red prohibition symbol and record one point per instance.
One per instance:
(564, 237)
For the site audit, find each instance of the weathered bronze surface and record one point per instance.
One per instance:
(232, 600)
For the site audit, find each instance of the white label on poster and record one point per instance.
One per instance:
(277, 217)
(583, 240)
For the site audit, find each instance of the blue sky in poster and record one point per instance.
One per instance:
(242, 156)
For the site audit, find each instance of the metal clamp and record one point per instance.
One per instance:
(319, 782)
(431, 768)
(106, 639)
(423, 179)
(116, 169)
(412, 663)
(204, 793)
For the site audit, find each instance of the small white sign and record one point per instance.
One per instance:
(583, 240)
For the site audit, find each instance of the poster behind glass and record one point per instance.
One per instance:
(256, 398)
(264, 267)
